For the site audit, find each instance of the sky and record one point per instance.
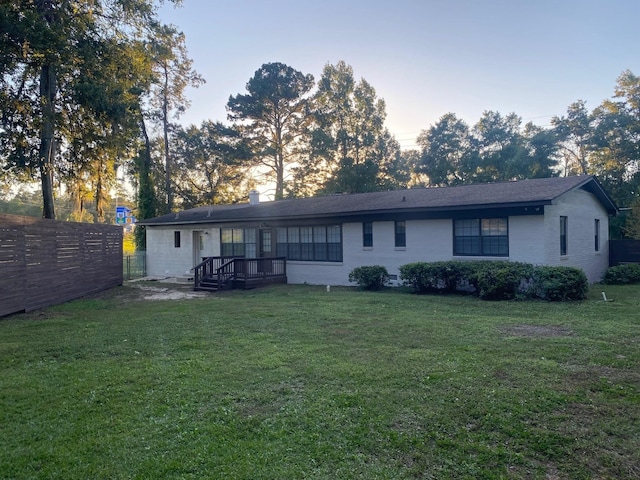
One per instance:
(425, 58)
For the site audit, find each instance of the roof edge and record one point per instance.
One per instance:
(342, 215)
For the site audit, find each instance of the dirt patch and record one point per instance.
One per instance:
(167, 293)
(537, 331)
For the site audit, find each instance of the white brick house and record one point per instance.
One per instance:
(552, 221)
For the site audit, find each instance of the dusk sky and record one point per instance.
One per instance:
(425, 58)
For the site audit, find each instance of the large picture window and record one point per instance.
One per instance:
(238, 242)
(481, 237)
(318, 243)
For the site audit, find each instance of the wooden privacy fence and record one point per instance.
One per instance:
(624, 251)
(45, 262)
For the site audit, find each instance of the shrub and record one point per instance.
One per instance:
(416, 276)
(444, 277)
(373, 277)
(626, 273)
(497, 280)
(560, 283)
(501, 280)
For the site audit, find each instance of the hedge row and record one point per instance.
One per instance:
(489, 280)
(497, 280)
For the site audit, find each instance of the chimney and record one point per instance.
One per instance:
(254, 197)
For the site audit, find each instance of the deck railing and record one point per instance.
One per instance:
(208, 268)
(228, 270)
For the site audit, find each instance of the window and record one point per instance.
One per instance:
(238, 242)
(176, 239)
(367, 234)
(318, 243)
(596, 225)
(401, 234)
(563, 235)
(481, 237)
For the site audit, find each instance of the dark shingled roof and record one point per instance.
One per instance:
(533, 192)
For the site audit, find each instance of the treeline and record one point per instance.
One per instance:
(308, 138)
(91, 88)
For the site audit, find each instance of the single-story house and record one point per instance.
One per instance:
(550, 221)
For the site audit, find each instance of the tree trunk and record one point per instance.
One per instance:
(100, 194)
(165, 127)
(146, 194)
(280, 179)
(279, 162)
(47, 141)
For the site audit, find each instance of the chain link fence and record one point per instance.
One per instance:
(134, 266)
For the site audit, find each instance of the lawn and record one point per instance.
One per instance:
(293, 382)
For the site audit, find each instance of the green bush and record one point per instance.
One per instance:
(501, 280)
(446, 277)
(417, 276)
(626, 273)
(560, 283)
(496, 280)
(373, 277)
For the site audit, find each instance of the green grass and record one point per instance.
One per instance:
(293, 382)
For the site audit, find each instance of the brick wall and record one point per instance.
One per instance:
(581, 209)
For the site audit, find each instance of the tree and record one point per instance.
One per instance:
(273, 117)
(101, 130)
(173, 73)
(632, 225)
(58, 56)
(395, 170)
(211, 159)
(575, 136)
(444, 151)
(411, 158)
(147, 199)
(539, 158)
(495, 149)
(350, 149)
(498, 148)
(616, 138)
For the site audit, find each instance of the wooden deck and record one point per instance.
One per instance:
(225, 273)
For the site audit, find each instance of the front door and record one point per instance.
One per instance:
(198, 246)
(265, 251)
(266, 244)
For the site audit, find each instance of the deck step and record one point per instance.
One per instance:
(208, 284)
(205, 289)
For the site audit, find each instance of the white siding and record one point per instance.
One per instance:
(526, 239)
(533, 239)
(427, 240)
(581, 209)
(164, 259)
